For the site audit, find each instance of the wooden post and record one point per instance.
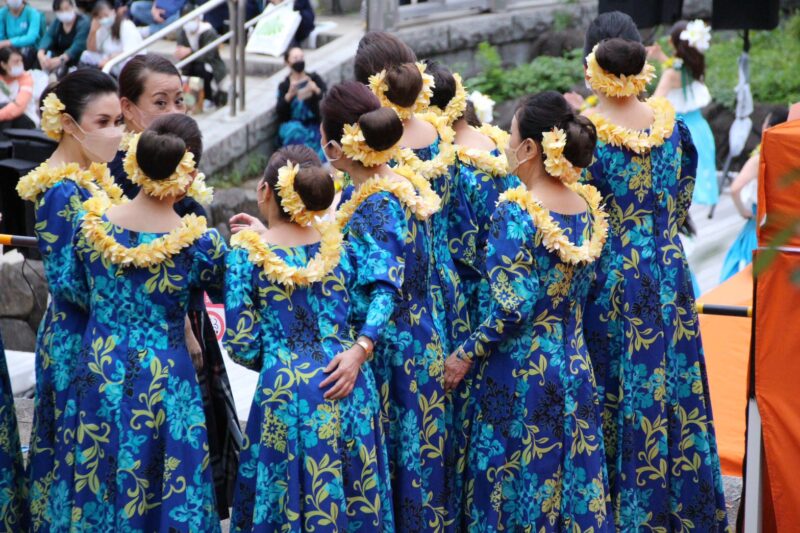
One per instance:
(381, 15)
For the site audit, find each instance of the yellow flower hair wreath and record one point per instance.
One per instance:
(456, 106)
(616, 86)
(553, 144)
(290, 200)
(379, 86)
(52, 108)
(356, 148)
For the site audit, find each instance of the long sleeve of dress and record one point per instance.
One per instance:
(242, 316)
(378, 233)
(688, 172)
(56, 214)
(512, 277)
(208, 267)
(68, 279)
(20, 103)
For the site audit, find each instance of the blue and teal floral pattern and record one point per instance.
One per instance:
(307, 464)
(302, 128)
(133, 454)
(535, 457)
(644, 340)
(58, 342)
(392, 304)
(13, 504)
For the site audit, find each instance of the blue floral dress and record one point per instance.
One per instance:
(58, 194)
(392, 304)
(301, 128)
(307, 464)
(536, 460)
(643, 335)
(134, 454)
(13, 508)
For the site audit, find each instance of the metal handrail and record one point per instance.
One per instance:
(237, 37)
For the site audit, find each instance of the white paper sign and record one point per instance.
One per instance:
(275, 30)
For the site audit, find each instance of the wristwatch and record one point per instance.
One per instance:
(367, 348)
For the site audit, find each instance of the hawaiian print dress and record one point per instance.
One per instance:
(58, 193)
(392, 304)
(535, 457)
(13, 504)
(134, 455)
(307, 464)
(643, 335)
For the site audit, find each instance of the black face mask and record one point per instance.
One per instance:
(299, 66)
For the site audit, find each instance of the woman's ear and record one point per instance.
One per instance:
(68, 125)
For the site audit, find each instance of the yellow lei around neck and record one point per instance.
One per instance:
(403, 190)
(144, 255)
(276, 269)
(638, 141)
(482, 160)
(439, 165)
(553, 236)
(429, 200)
(96, 179)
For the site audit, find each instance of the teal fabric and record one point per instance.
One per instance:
(24, 30)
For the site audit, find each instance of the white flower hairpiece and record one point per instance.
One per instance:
(484, 106)
(697, 35)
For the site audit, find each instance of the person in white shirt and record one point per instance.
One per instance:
(110, 34)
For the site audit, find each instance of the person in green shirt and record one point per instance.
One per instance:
(65, 39)
(21, 26)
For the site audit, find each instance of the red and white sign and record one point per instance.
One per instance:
(216, 313)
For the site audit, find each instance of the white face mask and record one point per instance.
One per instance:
(513, 161)
(192, 26)
(325, 151)
(16, 71)
(65, 17)
(14, 4)
(107, 22)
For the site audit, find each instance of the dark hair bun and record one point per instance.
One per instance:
(621, 57)
(382, 128)
(377, 51)
(158, 154)
(405, 83)
(581, 141)
(315, 187)
(444, 84)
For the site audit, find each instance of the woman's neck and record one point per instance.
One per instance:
(359, 174)
(283, 232)
(69, 25)
(617, 104)
(18, 11)
(69, 151)
(296, 76)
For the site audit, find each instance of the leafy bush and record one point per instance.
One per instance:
(542, 74)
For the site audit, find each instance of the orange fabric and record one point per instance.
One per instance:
(780, 158)
(17, 107)
(726, 343)
(777, 366)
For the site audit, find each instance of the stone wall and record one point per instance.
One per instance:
(23, 300)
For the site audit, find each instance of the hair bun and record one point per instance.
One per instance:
(621, 57)
(405, 84)
(315, 188)
(382, 128)
(581, 140)
(159, 154)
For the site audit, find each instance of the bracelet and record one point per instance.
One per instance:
(461, 355)
(365, 346)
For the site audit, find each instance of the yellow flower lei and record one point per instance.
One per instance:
(319, 266)
(608, 84)
(144, 255)
(52, 107)
(494, 165)
(430, 202)
(379, 86)
(403, 190)
(96, 179)
(553, 144)
(175, 185)
(290, 200)
(456, 106)
(637, 140)
(440, 164)
(356, 148)
(553, 236)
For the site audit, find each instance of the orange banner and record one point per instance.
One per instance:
(779, 184)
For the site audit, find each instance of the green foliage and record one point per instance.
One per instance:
(542, 74)
(253, 168)
(774, 65)
(562, 20)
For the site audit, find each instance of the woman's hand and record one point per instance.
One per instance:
(195, 351)
(655, 52)
(455, 368)
(243, 221)
(343, 370)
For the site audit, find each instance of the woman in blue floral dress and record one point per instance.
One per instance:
(13, 508)
(314, 458)
(400, 83)
(81, 112)
(392, 311)
(134, 455)
(535, 456)
(641, 326)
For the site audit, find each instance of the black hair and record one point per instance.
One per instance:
(78, 88)
(163, 144)
(542, 112)
(313, 183)
(444, 84)
(379, 51)
(471, 116)
(57, 4)
(404, 84)
(134, 74)
(777, 116)
(611, 25)
(288, 51)
(620, 57)
(351, 102)
(692, 58)
(5, 55)
(115, 28)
